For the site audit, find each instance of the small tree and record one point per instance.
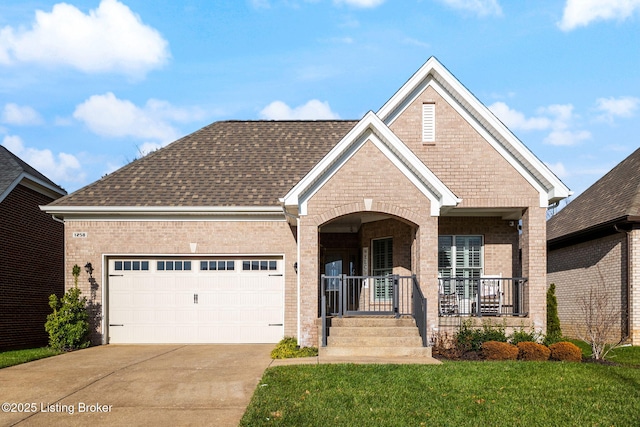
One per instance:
(601, 318)
(554, 333)
(68, 325)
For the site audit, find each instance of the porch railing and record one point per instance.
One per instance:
(483, 296)
(390, 295)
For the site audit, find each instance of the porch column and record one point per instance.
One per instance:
(427, 267)
(534, 264)
(308, 271)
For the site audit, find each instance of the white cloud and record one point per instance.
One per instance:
(60, 167)
(312, 110)
(110, 38)
(479, 7)
(580, 13)
(611, 108)
(515, 120)
(13, 114)
(557, 118)
(360, 3)
(558, 169)
(566, 137)
(106, 115)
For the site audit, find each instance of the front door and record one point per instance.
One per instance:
(337, 262)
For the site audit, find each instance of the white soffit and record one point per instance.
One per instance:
(371, 128)
(434, 74)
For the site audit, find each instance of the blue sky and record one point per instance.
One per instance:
(86, 86)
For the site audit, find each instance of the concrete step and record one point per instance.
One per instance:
(356, 322)
(368, 331)
(381, 352)
(374, 341)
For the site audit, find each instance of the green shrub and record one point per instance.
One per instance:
(521, 335)
(565, 351)
(68, 325)
(288, 348)
(469, 338)
(498, 350)
(554, 333)
(528, 350)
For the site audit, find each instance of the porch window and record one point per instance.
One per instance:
(462, 257)
(383, 266)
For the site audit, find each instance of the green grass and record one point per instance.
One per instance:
(16, 357)
(627, 355)
(451, 394)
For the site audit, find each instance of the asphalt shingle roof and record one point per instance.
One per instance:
(227, 163)
(11, 167)
(614, 196)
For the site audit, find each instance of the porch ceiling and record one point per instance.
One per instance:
(504, 213)
(351, 223)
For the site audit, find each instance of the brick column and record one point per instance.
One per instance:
(427, 268)
(534, 264)
(308, 271)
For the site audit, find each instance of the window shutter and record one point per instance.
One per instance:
(428, 122)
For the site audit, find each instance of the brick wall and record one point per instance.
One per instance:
(174, 237)
(575, 269)
(634, 276)
(31, 268)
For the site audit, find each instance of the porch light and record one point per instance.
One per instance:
(295, 267)
(89, 269)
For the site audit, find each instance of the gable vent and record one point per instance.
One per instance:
(428, 122)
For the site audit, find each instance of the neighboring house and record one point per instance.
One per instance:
(225, 234)
(32, 255)
(595, 242)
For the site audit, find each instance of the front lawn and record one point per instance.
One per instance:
(16, 357)
(451, 394)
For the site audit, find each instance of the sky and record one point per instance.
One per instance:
(88, 86)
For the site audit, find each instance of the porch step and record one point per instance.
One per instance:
(382, 337)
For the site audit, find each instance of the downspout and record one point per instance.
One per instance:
(628, 281)
(55, 218)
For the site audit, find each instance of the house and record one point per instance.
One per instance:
(595, 242)
(32, 255)
(248, 231)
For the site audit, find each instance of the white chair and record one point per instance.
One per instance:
(491, 295)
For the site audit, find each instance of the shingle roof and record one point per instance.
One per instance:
(11, 167)
(613, 197)
(227, 163)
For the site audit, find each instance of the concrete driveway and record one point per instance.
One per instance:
(178, 385)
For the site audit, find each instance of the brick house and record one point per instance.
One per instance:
(248, 231)
(595, 241)
(32, 255)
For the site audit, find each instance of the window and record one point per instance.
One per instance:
(460, 257)
(428, 122)
(217, 265)
(173, 265)
(264, 265)
(383, 266)
(131, 265)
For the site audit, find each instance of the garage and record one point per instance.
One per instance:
(195, 300)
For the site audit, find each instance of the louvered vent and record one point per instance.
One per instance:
(428, 122)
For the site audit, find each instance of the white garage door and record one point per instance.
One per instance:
(178, 300)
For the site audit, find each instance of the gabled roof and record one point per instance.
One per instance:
(434, 74)
(371, 128)
(225, 165)
(612, 199)
(14, 171)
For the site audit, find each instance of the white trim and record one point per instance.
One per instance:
(434, 74)
(371, 128)
(299, 305)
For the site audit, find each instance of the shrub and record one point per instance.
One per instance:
(471, 339)
(497, 350)
(523, 336)
(565, 351)
(528, 350)
(68, 325)
(288, 348)
(554, 333)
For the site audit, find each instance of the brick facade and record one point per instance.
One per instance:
(31, 268)
(574, 269)
(174, 238)
(634, 285)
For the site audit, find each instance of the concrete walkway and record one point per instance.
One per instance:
(136, 385)
(144, 385)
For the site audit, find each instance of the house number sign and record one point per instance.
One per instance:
(79, 234)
